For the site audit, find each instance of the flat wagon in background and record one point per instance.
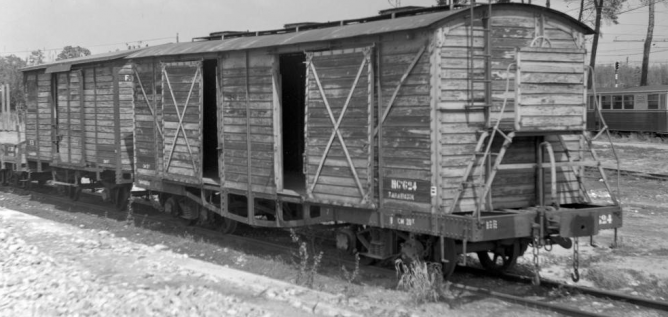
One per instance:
(79, 124)
(431, 132)
(632, 109)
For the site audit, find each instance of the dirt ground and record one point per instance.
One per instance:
(53, 269)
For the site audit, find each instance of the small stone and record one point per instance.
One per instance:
(160, 247)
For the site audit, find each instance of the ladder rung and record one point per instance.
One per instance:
(479, 104)
(481, 80)
(483, 153)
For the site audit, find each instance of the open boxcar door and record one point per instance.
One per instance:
(339, 127)
(182, 128)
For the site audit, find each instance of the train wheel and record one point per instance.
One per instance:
(172, 207)
(499, 262)
(122, 196)
(227, 225)
(449, 258)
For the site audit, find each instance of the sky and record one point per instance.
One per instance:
(107, 25)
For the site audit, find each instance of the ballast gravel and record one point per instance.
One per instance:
(63, 271)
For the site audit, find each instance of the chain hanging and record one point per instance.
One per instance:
(576, 260)
(536, 260)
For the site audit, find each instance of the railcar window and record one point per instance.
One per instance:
(606, 102)
(616, 102)
(590, 103)
(653, 101)
(662, 103)
(628, 101)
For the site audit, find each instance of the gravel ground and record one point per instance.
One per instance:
(50, 269)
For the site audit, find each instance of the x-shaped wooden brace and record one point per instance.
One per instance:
(148, 104)
(181, 115)
(336, 132)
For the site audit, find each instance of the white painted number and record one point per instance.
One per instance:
(146, 166)
(491, 224)
(405, 221)
(605, 219)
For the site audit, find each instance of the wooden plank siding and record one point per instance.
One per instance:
(69, 129)
(550, 85)
(181, 121)
(247, 111)
(459, 126)
(39, 117)
(345, 77)
(406, 132)
(148, 141)
(37, 111)
(100, 135)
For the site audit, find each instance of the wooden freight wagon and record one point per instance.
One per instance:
(444, 131)
(79, 123)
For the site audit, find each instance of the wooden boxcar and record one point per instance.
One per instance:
(79, 122)
(383, 123)
(432, 132)
(633, 109)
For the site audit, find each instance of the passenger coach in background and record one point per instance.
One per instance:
(431, 132)
(634, 109)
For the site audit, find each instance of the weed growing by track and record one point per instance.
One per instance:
(306, 269)
(130, 217)
(605, 279)
(350, 277)
(422, 280)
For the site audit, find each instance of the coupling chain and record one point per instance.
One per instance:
(576, 260)
(536, 260)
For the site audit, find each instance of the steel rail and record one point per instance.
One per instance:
(640, 174)
(616, 296)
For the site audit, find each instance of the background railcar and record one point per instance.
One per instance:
(634, 109)
(79, 123)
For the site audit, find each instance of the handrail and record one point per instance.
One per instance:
(605, 128)
(493, 134)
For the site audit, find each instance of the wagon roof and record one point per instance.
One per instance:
(66, 64)
(657, 88)
(335, 31)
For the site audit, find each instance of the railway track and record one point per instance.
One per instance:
(612, 170)
(44, 196)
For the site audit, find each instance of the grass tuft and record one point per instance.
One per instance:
(605, 279)
(307, 270)
(422, 280)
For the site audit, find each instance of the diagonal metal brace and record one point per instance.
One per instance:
(181, 116)
(336, 132)
(148, 104)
